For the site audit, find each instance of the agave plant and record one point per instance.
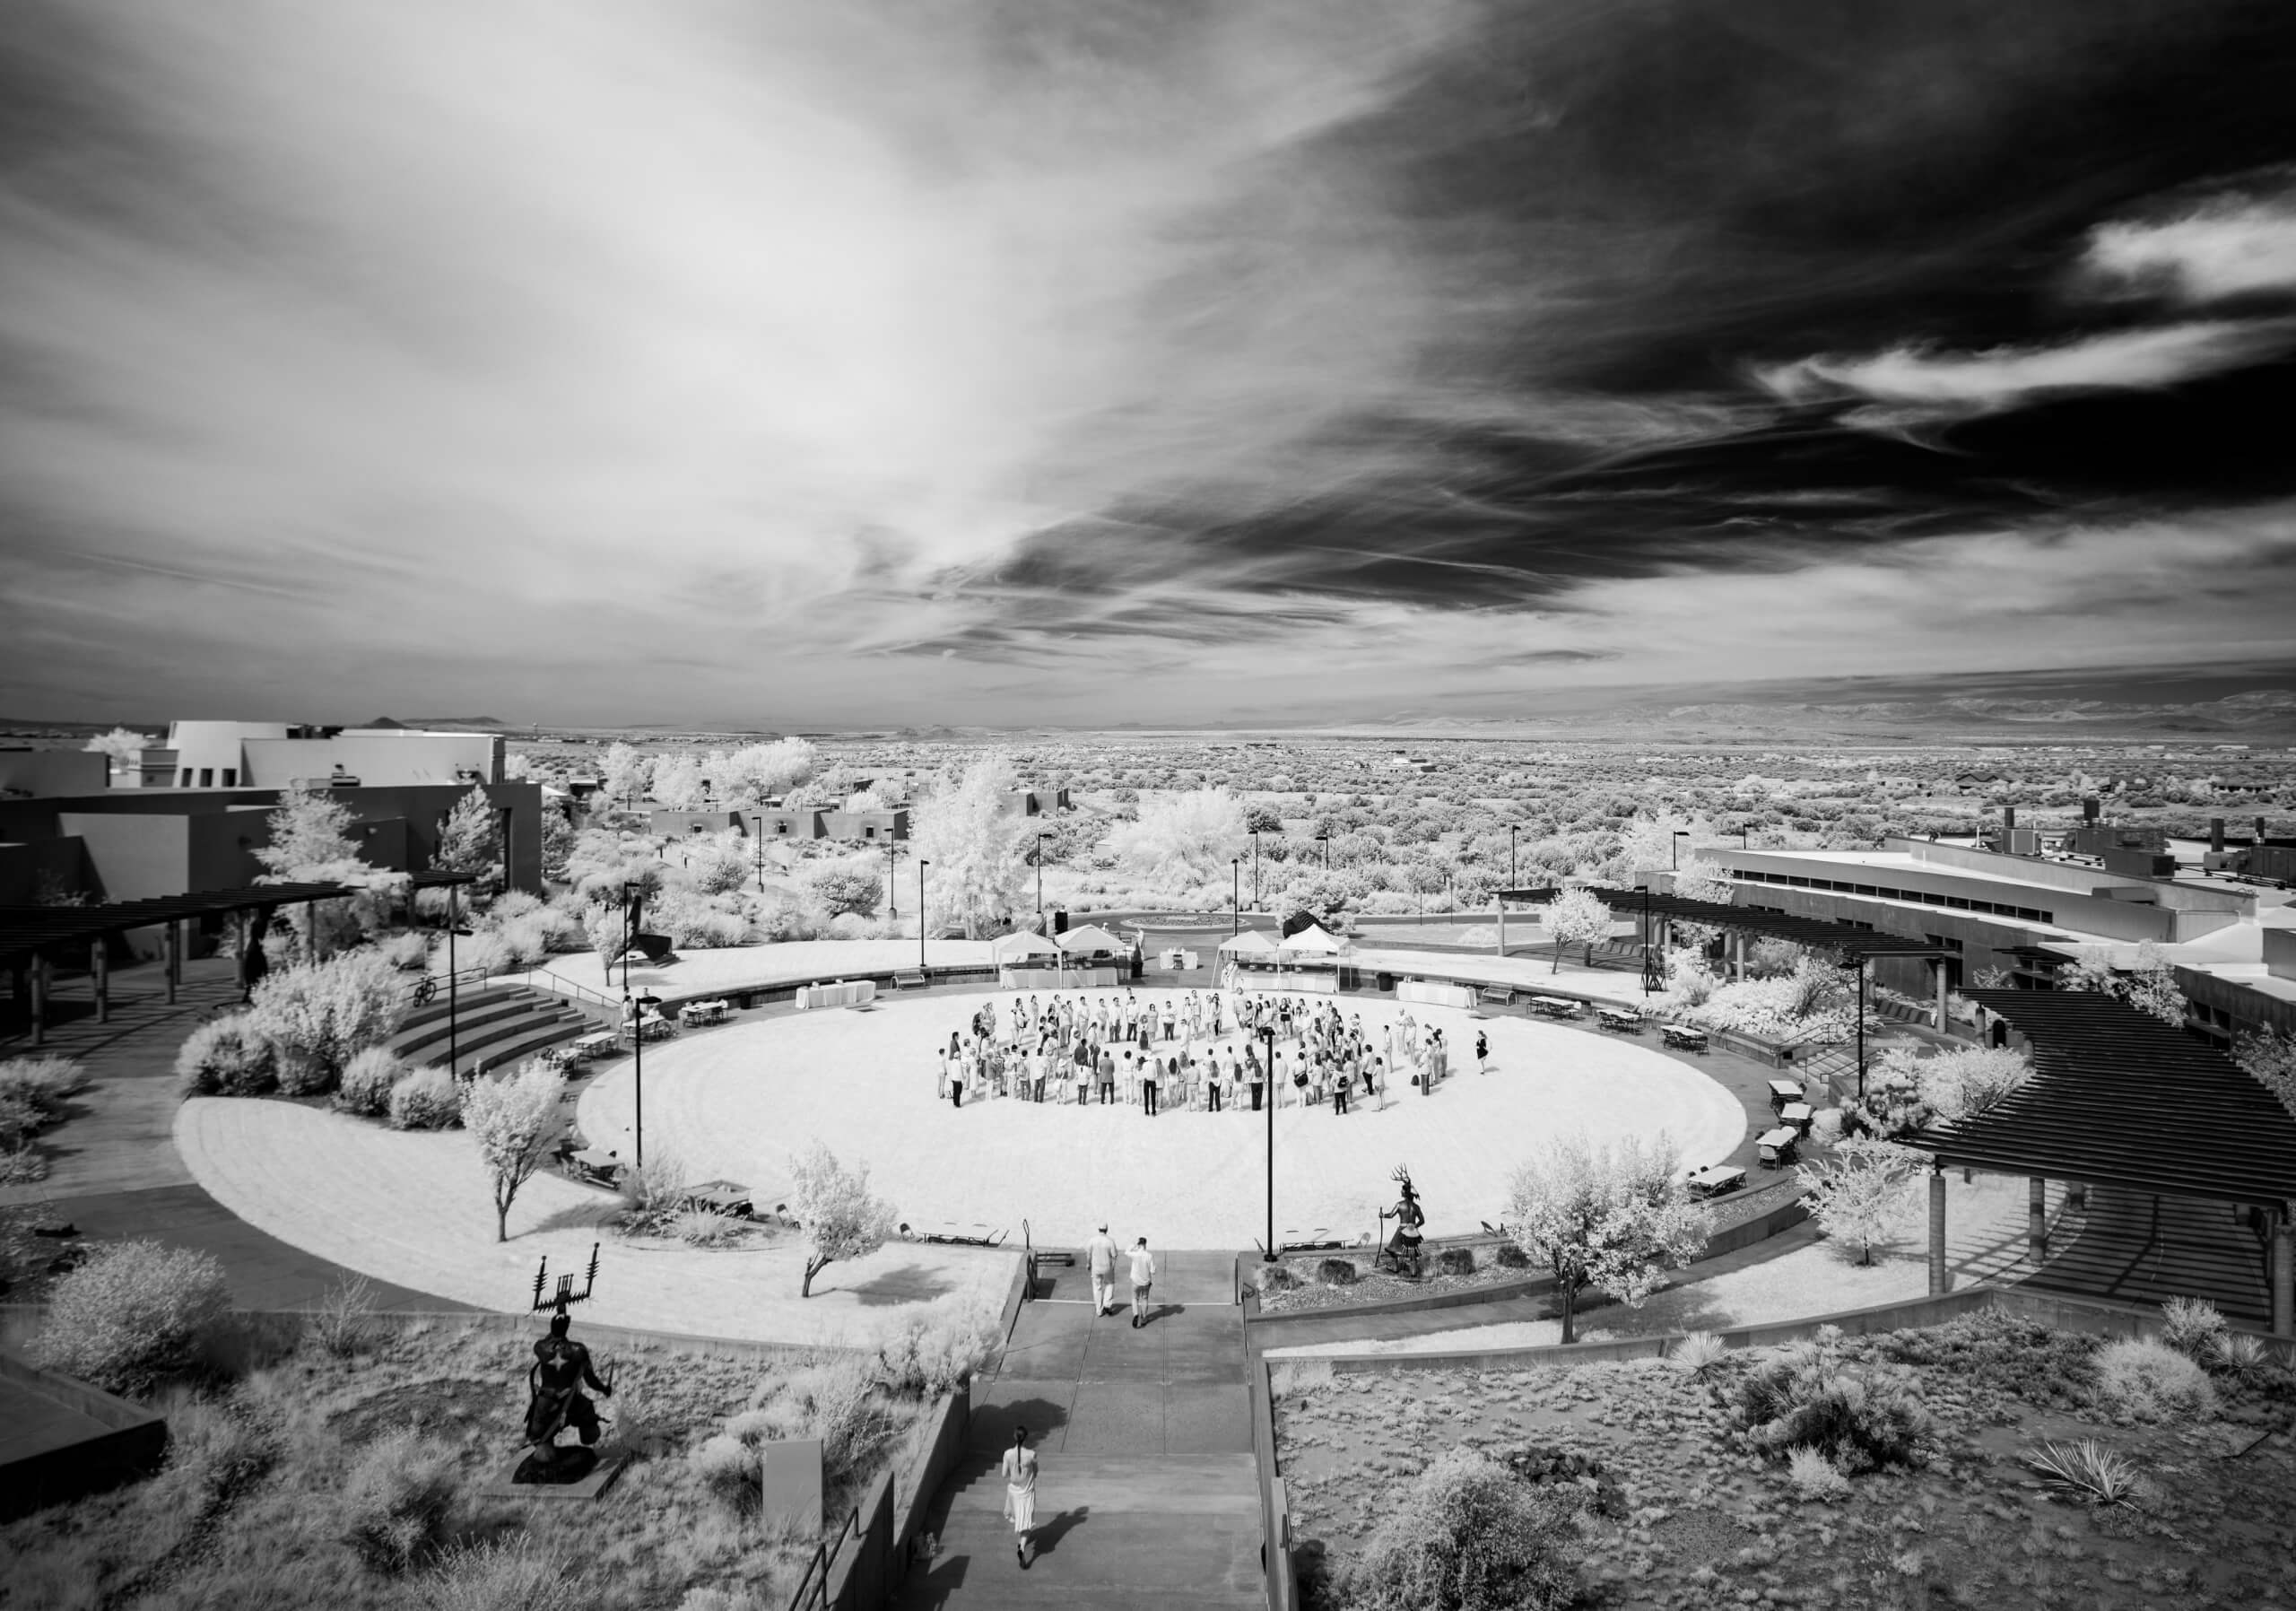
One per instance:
(2088, 1468)
(2238, 1353)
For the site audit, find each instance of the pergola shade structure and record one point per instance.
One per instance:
(2119, 1098)
(1855, 944)
(30, 936)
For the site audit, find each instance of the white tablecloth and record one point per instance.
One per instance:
(1058, 979)
(1432, 994)
(837, 995)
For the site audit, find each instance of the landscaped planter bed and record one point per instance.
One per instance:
(1683, 1510)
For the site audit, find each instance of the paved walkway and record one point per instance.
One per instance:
(1147, 1494)
(116, 1171)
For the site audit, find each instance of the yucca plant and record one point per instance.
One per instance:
(2238, 1353)
(2087, 1468)
(1698, 1353)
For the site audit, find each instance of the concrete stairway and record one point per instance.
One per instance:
(495, 1024)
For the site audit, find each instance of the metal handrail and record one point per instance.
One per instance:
(561, 985)
(812, 1588)
(435, 983)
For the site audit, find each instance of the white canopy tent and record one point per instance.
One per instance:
(1315, 940)
(1252, 942)
(1092, 940)
(1021, 945)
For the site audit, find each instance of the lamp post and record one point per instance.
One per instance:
(1651, 982)
(757, 831)
(637, 1019)
(1254, 869)
(1268, 1034)
(891, 909)
(1041, 838)
(1512, 829)
(921, 865)
(454, 1002)
(1235, 896)
(1860, 965)
(1675, 848)
(1324, 841)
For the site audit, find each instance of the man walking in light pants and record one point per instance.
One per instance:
(1100, 1255)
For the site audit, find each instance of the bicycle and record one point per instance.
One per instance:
(426, 992)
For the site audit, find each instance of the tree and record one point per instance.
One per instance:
(837, 1216)
(759, 771)
(557, 842)
(1260, 817)
(2148, 984)
(844, 886)
(1577, 916)
(1857, 1194)
(514, 1119)
(1606, 1215)
(319, 1015)
(679, 783)
(310, 843)
(471, 838)
(1960, 1084)
(124, 745)
(1182, 839)
(625, 771)
(977, 845)
(1699, 879)
(608, 928)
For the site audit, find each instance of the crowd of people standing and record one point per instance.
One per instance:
(1201, 1050)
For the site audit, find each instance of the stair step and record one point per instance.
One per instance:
(470, 994)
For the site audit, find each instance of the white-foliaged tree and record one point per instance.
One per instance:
(759, 771)
(470, 840)
(1606, 1215)
(310, 843)
(1699, 879)
(625, 771)
(123, 744)
(1576, 917)
(1184, 838)
(835, 1213)
(1859, 1195)
(513, 1118)
(977, 846)
(678, 783)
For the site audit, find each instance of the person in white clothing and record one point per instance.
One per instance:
(1020, 1468)
(1144, 1276)
(1099, 1254)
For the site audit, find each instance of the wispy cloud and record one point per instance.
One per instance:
(2225, 248)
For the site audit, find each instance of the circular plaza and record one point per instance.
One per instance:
(733, 1103)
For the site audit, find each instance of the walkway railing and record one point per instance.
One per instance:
(812, 1588)
(431, 986)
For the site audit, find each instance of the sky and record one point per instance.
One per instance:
(828, 362)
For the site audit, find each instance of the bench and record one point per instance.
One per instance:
(1498, 995)
(909, 978)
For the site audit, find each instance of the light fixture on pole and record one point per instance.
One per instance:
(1324, 840)
(454, 1002)
(1675, 848)
(1511, 831)
(1235, 896)
(1041, 838)
(757, 831)
(921, 865)
(891, 909)
(1254, 869)
(1268, 1034)
(637, 1018)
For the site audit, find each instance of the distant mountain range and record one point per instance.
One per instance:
(435, 722)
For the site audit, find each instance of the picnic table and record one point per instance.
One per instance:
(1554, 1006)
(1776, 1146)
(705, 1011)
(718, 1196)
(1715, 1180)
(1682, 1038)
(598, 1045)
(1623, 1020)
(1798, 1115)
(596, 1163)
(1782, 1092)
(653, 1028)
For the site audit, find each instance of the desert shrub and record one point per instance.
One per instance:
(729, 1467)
(227, 1056)
(509, 1574)
(398, 1499)
(935, 1349)
(2089, 1469)
(1508, 1256)
(1805, 1397)
(653, 1195)
(1815, 1477)
(706, 1599)
(406, 951)
(705, 1228)
(1336, 1271)
(485, 954)
(340, 1321)
(1297, 1379)
(1274, 1278)
(1699, 1353)
(428, 1099)
(2001, 1352)
(2147, 1380)
(33, 1090)
(318, 1015)
(2191, 1326)
(134, 1313)
(1468, 1536)
(2237, 1355)
(214, 1453)
(367, 1082)
(836, 1402)
(1454, 1262)
(23, 1163)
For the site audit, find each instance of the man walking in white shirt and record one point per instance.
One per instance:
(1099, 1254)
(1144, 1276)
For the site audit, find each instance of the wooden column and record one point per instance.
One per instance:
(1940, 1279)
(2037, 1217)
(100, 970)
(2284, 1271)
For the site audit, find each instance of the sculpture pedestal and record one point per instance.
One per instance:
(579, 1473)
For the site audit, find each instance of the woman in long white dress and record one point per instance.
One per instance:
(1019, 1469)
